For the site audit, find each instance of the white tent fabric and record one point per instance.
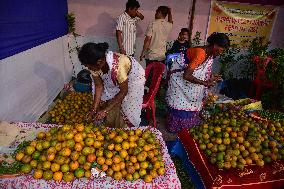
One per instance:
(29, 81)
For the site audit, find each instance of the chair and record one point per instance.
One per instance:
(149, 98)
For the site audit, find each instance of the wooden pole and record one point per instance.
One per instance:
(191, 19)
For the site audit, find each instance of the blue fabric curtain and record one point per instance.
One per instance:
(28, 23)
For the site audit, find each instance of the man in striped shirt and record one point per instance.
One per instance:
(126, 28)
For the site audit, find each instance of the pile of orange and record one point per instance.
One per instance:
(69, 151)
(72, 109)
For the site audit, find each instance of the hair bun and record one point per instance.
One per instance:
(103, 46)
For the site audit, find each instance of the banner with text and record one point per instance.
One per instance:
(241, 22)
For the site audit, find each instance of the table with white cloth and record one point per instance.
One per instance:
(169, 180)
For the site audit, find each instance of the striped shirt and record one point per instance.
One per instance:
(127, 26)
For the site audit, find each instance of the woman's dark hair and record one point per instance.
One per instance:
(164, 10)
(220, 39)
(132, 4)
(90, 53)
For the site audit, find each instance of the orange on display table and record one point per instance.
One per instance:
(253, 176)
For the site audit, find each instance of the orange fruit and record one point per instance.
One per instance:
(123, 153)
(151, 154)
(50, 156)
(136, 166)
(130, 169)
(60, 160)
(89, 141)
(129, 177)
(57, 176)
(51, 150)
(110, 147)
(157, 165)
(146, 148)
(26, 168)
(133, 159)
(117, 175)
(108, 154)
(20, 156)
(58, 147)
(33, 163)
(132, 144)
(66, 152)
(78, 137)
(41, 135)
(104, 167)
(153, 173)
(68, 177)
(141, 157)
(79, 127)
(116, 167)
(82, 159)
(88, 174)
(97, 144)
(144, 165)
(87, 166)
(148, 178)
(47, 175)
(46, 165)
(110, 172)
(54, 167)
(124, 173)
(91, 158)
(125, 145)
(74, 155)
(108, 161)
(100, 160)
(73, 165)
(78, 147)
(122, 165)
(117, 147)
(79, 173)
(100, 137)
(116, 159)
(142, 172)
(161, 171)
(38, 174)
(64, 168)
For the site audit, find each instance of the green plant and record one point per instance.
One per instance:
(275, 73)
(227, 60)
(257, 47)
(71, 19)
(196, 39)
(71, 22)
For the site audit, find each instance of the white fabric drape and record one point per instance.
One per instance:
(29, 81)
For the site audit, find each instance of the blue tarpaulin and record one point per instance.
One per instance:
(29, 23)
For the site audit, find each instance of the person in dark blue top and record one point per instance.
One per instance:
(181, 44)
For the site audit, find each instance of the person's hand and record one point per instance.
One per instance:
(122, 51)
(142, 56)
(90, 115)
(101, 115)
(217, 77)
(209, 83)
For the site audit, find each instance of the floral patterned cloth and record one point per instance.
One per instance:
(179, 119)
(167, 181)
